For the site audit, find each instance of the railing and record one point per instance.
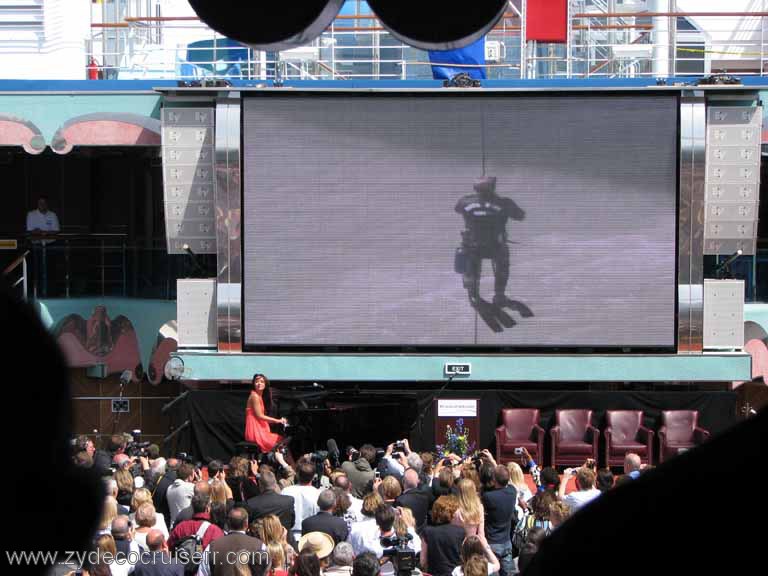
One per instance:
(600, 44)
(72, 265)
(19, 262)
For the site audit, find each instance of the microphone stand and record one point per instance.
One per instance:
(420, 419)
(723, 271)
(193, 257)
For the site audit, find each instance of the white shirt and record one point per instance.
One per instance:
(159, 523)
(459, 571)
(576, 500)
(304, 502)
(47, 222)
(355, 507)
(395, 465)
(179, 496)
(363, 535)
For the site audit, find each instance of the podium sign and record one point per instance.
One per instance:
(450, 410)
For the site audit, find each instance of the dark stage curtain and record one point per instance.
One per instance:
(217, 417)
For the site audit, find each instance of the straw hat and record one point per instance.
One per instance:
(318, 542)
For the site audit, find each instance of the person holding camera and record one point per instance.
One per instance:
(585, 486)
(360, 470)
(414, 499)
(388, 545)
(500, 518)
(179, 494)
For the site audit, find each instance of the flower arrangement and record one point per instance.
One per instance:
(456, 441)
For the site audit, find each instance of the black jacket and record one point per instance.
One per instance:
(228, 547)
(159, 498)
(326, 522)
(418, 502)
(271, 502)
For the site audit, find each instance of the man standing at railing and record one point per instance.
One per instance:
(41, 223)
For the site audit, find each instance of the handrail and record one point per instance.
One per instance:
(506, 15)
(16, 263)
(75, 235)
(327, 68)
(602, 65)
(508, 28)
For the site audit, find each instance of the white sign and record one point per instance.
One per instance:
(465, 408)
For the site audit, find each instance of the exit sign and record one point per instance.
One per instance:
(458, 369)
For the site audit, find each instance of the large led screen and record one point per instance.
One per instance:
(459, 220)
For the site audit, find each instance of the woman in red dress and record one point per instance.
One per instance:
(256, 421)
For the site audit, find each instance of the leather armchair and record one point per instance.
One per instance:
(519, 429)
(679, 429)
(574, 439)
(625, 433)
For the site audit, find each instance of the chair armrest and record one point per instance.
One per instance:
(537, 433)
(554, 433)
(608, 433)
(663, 435)
(593, 436)
(499, 441)
(700, 435)
(539, 441)
(645, 435)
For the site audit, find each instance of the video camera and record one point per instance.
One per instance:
(187, 459)
(134, 448)
(403, 558)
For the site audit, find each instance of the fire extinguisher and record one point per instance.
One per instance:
(93, 69)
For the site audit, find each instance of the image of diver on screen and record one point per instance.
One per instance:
(484, 237)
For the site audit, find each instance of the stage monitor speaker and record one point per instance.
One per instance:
(196, 312)
(268, 25)
(723, 314)
(437, 25)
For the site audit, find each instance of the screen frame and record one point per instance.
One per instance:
(464, 348)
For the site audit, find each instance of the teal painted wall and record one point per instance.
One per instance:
(488, 368)
(50, 111)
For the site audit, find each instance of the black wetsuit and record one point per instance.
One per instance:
(485, 236)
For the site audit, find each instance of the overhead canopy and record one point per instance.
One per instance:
(37, 120)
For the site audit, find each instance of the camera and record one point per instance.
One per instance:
(318, 456)
(519, 451)
(352, 453)
(134, 447)
(403, 558)
(399, 447)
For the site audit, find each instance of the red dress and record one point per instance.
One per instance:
(257, 430)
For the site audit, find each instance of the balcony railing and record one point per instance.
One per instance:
(71, 265)
(600, 44)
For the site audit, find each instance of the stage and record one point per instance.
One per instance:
(211, 422)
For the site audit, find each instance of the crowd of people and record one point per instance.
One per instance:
(377, 512)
